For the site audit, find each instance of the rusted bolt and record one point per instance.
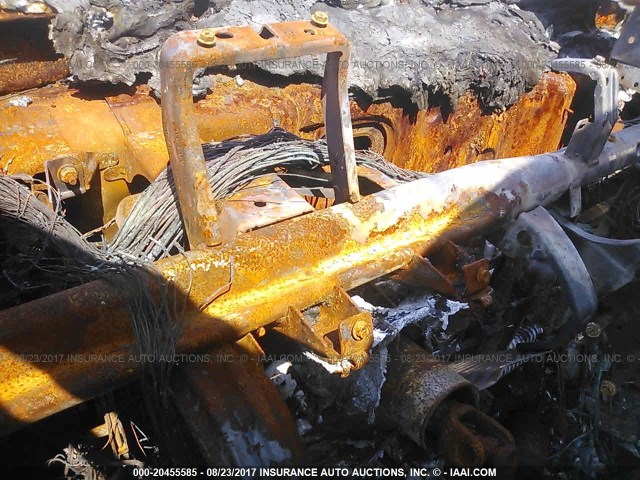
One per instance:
(360, 330)
(483, 275)
(592, 330)
(207, 38)
(608, 388)
(485, 300)
(320, 19)
(68, 174)
(261, 332)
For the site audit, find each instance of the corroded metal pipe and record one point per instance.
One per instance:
(416, 385)
(293, 263)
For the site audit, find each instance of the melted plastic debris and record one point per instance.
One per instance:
(278, 372)
(388, 322)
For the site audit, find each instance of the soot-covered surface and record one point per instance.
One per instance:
(495, 48)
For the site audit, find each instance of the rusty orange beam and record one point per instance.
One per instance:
(28, 57)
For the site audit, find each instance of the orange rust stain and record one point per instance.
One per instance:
(609, 14)
(64, 121)
(432, 143)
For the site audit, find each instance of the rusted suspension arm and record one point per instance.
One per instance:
(295, 263)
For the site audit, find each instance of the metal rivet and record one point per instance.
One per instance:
(608, 388)
(207, 38)
(320, 19)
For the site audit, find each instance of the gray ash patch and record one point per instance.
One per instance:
(425, 47)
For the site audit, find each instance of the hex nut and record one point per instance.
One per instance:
(320, 19)
(68, 174)
(207, 38)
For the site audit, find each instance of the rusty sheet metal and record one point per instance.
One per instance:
(433, 144)
(264, 272)
(27, 57)
(32, 135)
(66, 122)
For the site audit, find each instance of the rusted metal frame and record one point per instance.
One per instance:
(290, 264)
(186, 51)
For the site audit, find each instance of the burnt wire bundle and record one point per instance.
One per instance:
(153, 227)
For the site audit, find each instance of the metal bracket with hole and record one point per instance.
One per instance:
(336, 329)
(186, 51)
(589, 138)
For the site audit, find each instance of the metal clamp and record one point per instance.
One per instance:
(186, 51)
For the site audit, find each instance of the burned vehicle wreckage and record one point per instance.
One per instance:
(396, 235)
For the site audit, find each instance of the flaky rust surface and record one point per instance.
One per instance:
(28, 58)
(60, 121)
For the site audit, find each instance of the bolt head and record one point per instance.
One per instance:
(320, 19)
(68, 174)
(207, 38)
(592, 330)
(483, 275)
(360, 330)
(608, 388)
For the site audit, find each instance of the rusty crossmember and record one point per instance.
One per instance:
(186, 51)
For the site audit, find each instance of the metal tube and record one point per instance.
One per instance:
(294, 263)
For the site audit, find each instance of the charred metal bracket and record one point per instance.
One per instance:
(612, 263)
(536, 234)
(626, 48)
(452, 273)
(469, 437)
(186, 51)
(626, 53)
(589, 138)
(335, 329)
